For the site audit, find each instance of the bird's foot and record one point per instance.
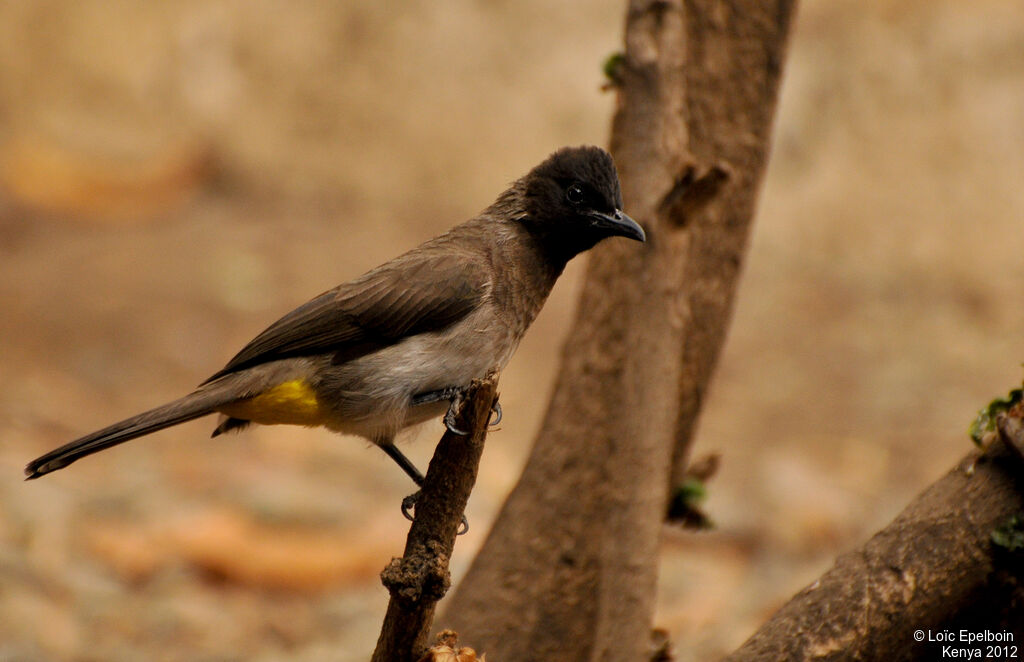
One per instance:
(449, 416)
(457, 397)
(409, 505)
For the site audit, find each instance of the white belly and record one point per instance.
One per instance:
(370, 396)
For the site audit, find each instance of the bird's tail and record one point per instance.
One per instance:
(199, 403)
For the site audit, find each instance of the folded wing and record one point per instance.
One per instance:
(419, 292)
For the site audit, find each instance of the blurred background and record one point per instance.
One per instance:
(175, 176)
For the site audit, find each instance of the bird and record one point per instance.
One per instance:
(399, 345)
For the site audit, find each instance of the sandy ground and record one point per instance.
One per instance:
(175, 176)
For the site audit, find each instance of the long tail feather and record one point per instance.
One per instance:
(191, 406)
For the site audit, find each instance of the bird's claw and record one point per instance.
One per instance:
(456, 401)
(409, 505)
(449, 416)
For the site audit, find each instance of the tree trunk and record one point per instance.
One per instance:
(569, 570)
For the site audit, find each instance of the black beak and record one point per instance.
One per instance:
(617, 224)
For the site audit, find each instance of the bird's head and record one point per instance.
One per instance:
(573, 200)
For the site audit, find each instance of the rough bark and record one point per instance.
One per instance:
(420, 578)
(569, 570)
(933, 569)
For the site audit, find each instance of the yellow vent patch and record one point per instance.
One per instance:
(293, 403)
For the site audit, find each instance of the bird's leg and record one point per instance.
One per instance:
(409, 502)
(388, 446)
(495, 415)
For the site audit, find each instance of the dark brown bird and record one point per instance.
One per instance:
(393, 347)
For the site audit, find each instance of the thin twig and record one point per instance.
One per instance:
(420, 578)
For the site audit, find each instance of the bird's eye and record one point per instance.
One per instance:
(574, 194)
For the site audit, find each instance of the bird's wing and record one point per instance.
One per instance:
(416, 293)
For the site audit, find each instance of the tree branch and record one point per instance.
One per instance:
(420, 578)
(924, 570)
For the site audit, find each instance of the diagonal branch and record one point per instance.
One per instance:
(420, 578)
(935, 563)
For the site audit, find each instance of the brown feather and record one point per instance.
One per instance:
(426, 289)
